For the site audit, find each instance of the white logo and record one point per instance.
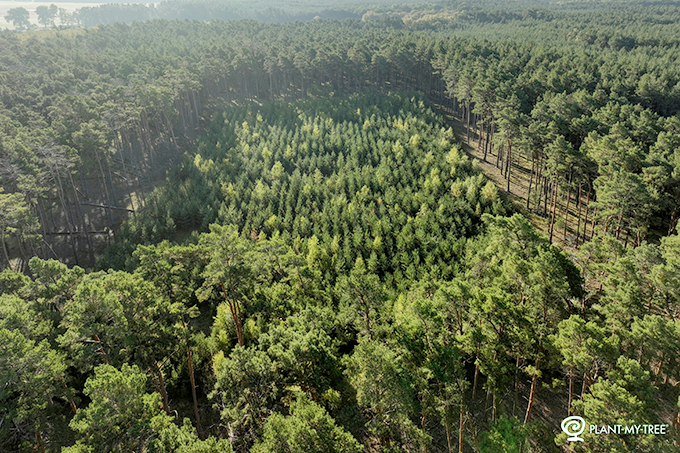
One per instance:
(574, 426)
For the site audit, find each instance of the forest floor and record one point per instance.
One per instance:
(519, 186)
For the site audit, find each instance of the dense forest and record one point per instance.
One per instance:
(431, 227)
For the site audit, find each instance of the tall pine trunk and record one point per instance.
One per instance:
(508, 165)
(461, 426)
(199, 428)
(566, 209)
(554, 209)
(532, 392)
(571, 392)
(531, 179)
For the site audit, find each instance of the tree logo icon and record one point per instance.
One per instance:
(574, 426)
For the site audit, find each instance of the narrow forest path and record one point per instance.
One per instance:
(519, 182)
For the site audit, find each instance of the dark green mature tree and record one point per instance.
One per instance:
(508, 133)
(18, 225)
(362, 295)
(385, 391)
(303, 353)
(123, 417)
(53, 285)
(623, 205)
(433, 320)
(559, 160)
(307, 428)
(665, 278)
(526, 287)
(117, 318)
(32, 382)
(655, 341)
(296, 353)
(247, 385)
(229, 271)
(586, 352)
(624, 397)
(176, 273)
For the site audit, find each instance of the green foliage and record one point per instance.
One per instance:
(17, 223)
(246, 388)
(302, 351)
(506, 435)
(624, 398)
(116, 318)
(584, 346)
(308, 428)
(334, 179)
(298, 352)
(16, 314)
(385, 391)
(361, 297)
(174, 439)
(32, 380)
(323, 241)
(121, 416)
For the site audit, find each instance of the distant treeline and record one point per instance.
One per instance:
(197, 10)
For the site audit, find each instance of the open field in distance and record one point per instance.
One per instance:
(31, 6)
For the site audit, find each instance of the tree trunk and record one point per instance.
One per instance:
(546, 190)
(566, 209)
(531, 179)
(532, 393)
(81, 214)
(592, 223)
(67, 214)
(235, 314)
(461, 426)
(475, 440)
(585, 217)
(486, 140)
(571, 392)
(105, 187)
(508, 165)
(467, 137)
(161, 388)
(578, 210)
(4, 248)
(585, 385)
(39, 440)
(554, 210)
(516, 400)
(480, 134)
(618, 223)
(498, 158)
(447, 426)
(474, 382)
(539, 188)
(199, 428)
